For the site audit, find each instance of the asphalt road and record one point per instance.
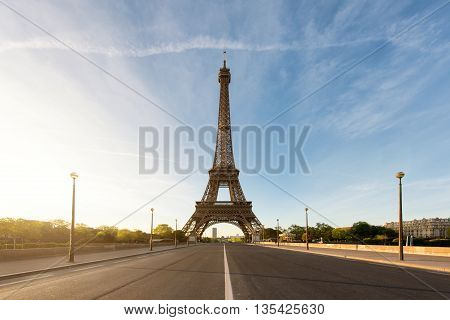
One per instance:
(255, 272)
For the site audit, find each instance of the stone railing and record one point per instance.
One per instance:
(19, 254)
(433, 251)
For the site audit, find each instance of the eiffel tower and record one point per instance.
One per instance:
(237, 211)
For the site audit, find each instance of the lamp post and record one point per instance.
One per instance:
(399, 176)
(264, 234)
(74, 176)
(278, 232)
(151, 231)
(176, 227)
(307, 241)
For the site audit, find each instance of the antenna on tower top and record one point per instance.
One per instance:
(224, 58)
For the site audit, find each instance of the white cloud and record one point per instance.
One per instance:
(196, 43)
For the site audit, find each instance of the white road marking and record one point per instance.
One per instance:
(228, 288)
(31, 279)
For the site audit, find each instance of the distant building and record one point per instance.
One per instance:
(424, 228)
(214, 233)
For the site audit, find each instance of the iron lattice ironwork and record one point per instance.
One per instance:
(238, 211)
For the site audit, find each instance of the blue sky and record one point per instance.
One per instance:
(60, 114)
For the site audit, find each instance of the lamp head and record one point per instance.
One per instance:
(306, 209)
(400, 175)
(74, 175)
(151, 209)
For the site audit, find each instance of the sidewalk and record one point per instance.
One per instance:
(19, 266)
(435, 263)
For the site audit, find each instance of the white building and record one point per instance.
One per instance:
(424, 228)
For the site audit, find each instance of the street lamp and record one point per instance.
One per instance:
(307, 242)
(264, 234)
(151, 231)
(399, 176)
(176, 227)
(278, 233)
(74, 176)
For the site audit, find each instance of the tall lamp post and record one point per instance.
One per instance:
(399, 176)
(176, 227)
(264, 234)
(307, 241)
(278, 232)
(151, 231)
(74, 176)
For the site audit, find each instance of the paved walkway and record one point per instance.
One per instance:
(18, 266)
(428, 262)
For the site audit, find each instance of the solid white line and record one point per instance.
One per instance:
(228, 288)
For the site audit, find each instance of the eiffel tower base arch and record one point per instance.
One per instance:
(237, 214)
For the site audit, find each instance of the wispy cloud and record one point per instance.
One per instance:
(196, 43)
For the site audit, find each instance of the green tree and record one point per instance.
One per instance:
(324, 231)
(383, 232)
(361, 230)
(312, 234)
(163, 231)
(181, 237)
(84, 233)
(141, 236)
(59, 231)
(341, 234)
(297, 231)
(107, 234)
(125, 235)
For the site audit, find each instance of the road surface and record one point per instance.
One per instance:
(26, 265)
(255, 272)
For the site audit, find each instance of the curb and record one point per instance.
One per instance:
(38, 271)
(390, 263)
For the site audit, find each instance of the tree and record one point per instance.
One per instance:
(312, 234)
(84, 233)
(341, 234)
(361, 230)
(26, 230)
(125, 235)
(180, 236)
(391, 233)
(107, 234)
(323, 231)
(59, 231)
(297, 231)
(163, 231)
(383, 232)
(141, 236)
